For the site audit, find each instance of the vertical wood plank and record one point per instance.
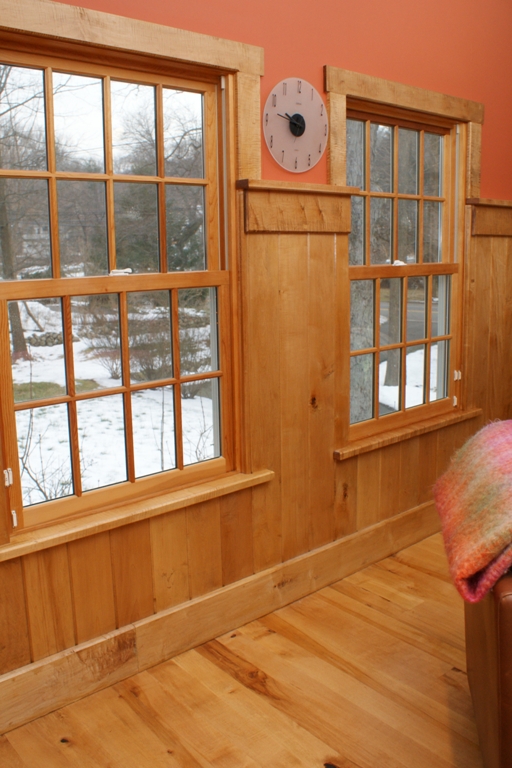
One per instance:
(204, 547)
(345, 503)
(92, 586)
(428, 466)
(390, 481)
(249, 128)
(169, 551)
(236, 536)
(499, 374)
(477, 313)
(14, 641)
(49, 604)
(337, 146)
(409, 474)
(322, 351)
(368, 489)
(130, 548)
(263, 389)
(474, 159)
(293, 342)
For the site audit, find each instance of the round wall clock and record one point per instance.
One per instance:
(295, 125)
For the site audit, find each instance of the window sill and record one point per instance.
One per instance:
(34, 540)
(404, 433)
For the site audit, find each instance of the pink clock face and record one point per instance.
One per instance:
(295, 125)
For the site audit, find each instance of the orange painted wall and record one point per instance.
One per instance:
(459, 47)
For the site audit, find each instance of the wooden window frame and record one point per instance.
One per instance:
(75, 40)
(352, 94)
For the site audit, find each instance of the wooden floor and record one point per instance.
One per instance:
(368, 673)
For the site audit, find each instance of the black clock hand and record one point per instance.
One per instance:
(297, 123)
(286, 116)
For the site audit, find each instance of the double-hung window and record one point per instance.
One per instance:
(114, 300)
(402, 268)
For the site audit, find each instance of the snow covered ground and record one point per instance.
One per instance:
(43, 433)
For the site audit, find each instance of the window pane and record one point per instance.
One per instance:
(153, 430)
(198, 330)
(361, 314)
(439, 367)
(22, 120)
(44, 453)
(184, 208)
(183, 134)
(96, 342)
(133, 128)
(356, 237)
(416, 308)
(381, 158)
(390, 377)
(408, 144)
(440, 305)
(25, 229)
(433, 156)
(150, 335)
(432, 224)
(361, 388)
(39, 372)
(200, 416)
(390, 311)
(136, 220)
(82, 228)
(381, 230)
(355, 153)
(408, 231)
(101, 438)
(78, 119)
(414, 376)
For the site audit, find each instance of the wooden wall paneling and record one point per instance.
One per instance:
(337, 145)
(390, 466)
(14, 643)
(491, 221)
(322, 353)
(409, 473)
(345, 502)
(204, 547)
(476, 318)
(130, 548)
(450, 440)
(474, 159)
(260, 286)
(428, 466)
(169, 553)
(368, 489)
(499, 380)
(49, 603)
(269, 210)
(249, 126)
(236, 536)
(92, 586)
(293, 257)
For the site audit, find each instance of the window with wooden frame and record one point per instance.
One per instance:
(403, 297)
(114, 296)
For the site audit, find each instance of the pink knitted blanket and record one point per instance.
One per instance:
(474, 501)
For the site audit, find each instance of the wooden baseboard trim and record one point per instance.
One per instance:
(51, 683)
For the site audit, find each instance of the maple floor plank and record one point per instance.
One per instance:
(367, 672)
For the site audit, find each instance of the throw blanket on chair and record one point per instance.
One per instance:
(474, 501)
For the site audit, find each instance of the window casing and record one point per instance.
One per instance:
(403, 270)
(114, 299)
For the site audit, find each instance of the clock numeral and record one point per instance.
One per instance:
(299, 86)
(321, 109)
(284, 88)
(320, 148)
(295, 163)
(282, 157)
(312, 94)
(309, 160)
(266, 118)
(325, 129)
(274, 99)
(272, 141)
